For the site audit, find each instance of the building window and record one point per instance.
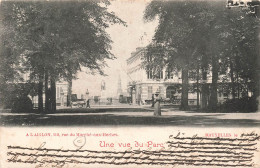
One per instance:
(168, 73)
(149, 58)
(149, 73)
(160, 74)
(150, 92)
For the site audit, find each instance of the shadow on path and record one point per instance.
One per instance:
(92, 119)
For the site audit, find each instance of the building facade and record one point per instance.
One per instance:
(142, 86)
(61, 95)
(61, 92)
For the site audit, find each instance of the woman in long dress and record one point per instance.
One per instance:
(157, 107)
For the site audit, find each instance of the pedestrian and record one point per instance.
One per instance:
(88, 104)
(157, 107)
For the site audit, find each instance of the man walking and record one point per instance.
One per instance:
(88, 100)
(88, 104)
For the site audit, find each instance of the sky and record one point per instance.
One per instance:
(125, 40)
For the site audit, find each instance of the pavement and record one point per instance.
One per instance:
(129, 115)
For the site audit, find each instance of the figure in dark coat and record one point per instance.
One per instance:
(88, 104)
(157, 107)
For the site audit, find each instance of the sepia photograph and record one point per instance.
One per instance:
(129, 83)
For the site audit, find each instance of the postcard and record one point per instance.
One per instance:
(129, 83)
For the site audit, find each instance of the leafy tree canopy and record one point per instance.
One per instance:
(61, 37)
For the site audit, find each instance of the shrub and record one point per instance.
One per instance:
(22, 104)
(245, 104)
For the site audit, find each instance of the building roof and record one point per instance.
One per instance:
(135, 54)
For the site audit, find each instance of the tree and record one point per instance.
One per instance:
(179, 33)
(57, 39)
(222, 39)
(9, 61)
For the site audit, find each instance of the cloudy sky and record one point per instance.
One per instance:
(126, 40)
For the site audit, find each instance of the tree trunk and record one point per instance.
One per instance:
(258, 90)
(69, 91)
(205, 88)
(238, 87)
(198, 92)
(47, 92)
(258, 66)
(233, 91)
(53, 94)
(185, 89)
(40, 93)
(214, 86)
